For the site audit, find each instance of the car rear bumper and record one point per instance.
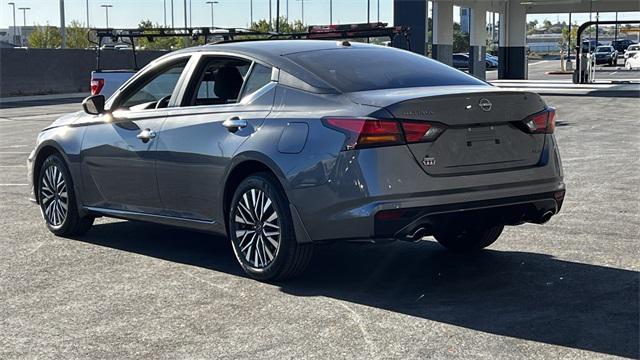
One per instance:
(363, 186)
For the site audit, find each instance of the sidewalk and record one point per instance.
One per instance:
(38, 98)
(623, 88)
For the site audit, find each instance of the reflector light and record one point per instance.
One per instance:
(367, 132)
(96, 86)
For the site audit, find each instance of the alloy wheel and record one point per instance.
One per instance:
(54, 196)
(257, 228)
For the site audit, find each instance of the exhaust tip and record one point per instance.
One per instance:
(545, 217)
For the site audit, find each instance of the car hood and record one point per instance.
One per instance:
(67, 119)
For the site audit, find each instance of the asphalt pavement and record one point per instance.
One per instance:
(567, 289)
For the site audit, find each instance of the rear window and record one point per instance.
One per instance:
(362, 69)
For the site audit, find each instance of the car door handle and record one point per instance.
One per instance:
(234, 123)
(146, 135)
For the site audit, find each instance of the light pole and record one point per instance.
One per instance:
(368, 12)
(63, 26)
(106, 12)
(87, 3)
(212, 3)
(15, 33)
(173, 25)
(24, 15)
(302, 18)
(250, 13)
(164, 7)
(378, 10)
(330, 12)
(270, 17)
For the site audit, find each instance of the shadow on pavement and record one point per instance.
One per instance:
(517, 294)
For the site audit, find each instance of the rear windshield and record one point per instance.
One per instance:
(362, 69)
(604, 49)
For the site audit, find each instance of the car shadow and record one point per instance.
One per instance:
(518, 294)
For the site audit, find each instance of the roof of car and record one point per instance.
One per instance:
(273, 52)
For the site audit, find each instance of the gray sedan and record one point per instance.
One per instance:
(284, 144)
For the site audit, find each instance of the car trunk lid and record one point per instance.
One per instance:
(481, 126)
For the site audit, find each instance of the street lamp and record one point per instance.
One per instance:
(212, 3)
(106, 12)
(15, 34)
(330, 12)
(302, 18)
(24, 15)
(87, 14)
(250, 13)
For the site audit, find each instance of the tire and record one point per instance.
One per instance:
(274, 254)
(468, 239)
(628, 66)
(57, 199)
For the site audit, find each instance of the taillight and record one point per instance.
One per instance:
(96, 86)
(541, 123)
(420, 131)
(367, 132)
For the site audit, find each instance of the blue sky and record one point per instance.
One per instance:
(127, 13)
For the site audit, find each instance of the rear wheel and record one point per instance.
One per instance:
(58, 200)
(261, 231)
(469, 238)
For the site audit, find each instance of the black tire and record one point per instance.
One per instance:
(55, 185)
(468, 239)
(286, 260)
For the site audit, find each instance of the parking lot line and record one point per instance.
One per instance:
(14, 184)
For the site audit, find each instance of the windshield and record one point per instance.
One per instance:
(604, 49)
(371, 68)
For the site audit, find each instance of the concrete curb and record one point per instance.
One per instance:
(18, 99)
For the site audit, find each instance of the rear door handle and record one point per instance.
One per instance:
(146, 135)
(234, 123)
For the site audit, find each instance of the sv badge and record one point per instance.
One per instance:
(428, 161)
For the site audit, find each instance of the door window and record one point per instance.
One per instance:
(260, 76)
(153, 91)
(217, 81)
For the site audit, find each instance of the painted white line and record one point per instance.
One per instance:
(12, 166)
(539, 62)
(14, 152)
(14, 184)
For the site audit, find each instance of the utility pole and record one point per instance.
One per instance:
(270, 17)
(277, 16)
(212, 3)
(106, 12)
(15, 31)
(368, 12)
(24, 15)
(63, 31)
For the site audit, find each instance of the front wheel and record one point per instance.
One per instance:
(58, 200)
(469, 238)
(627, 65)
(261, 231)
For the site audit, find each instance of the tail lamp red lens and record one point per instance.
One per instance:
(96, 86)
(541, 123)
(369, 132)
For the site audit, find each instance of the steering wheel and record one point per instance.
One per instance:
(163, 103)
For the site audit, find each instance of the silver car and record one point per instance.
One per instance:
(284, 144)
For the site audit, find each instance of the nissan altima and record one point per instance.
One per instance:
(281, 145)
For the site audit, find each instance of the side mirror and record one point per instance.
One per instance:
(94, 105)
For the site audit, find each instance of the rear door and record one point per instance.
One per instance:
(199, 138)
(118, 154)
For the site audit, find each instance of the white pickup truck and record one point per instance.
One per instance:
(106, 82)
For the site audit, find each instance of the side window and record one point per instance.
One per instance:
(260, 76)
(217, 81)
(155, 90)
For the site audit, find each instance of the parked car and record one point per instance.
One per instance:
(633, 62)
(590, 45)
(622, 45)
(631, 50)
(606, 55)
(461, 61)
(492, 61)
(282, 144)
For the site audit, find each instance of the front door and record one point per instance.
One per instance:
(118, 153)
(200, 137)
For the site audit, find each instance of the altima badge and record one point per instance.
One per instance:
(429, 161)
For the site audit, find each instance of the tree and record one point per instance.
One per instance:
(285, 26)
(45, 37)
(460, 39)
(157, 43)
(77, 35)
(563, 43)
(531, 26)
(547, 24)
